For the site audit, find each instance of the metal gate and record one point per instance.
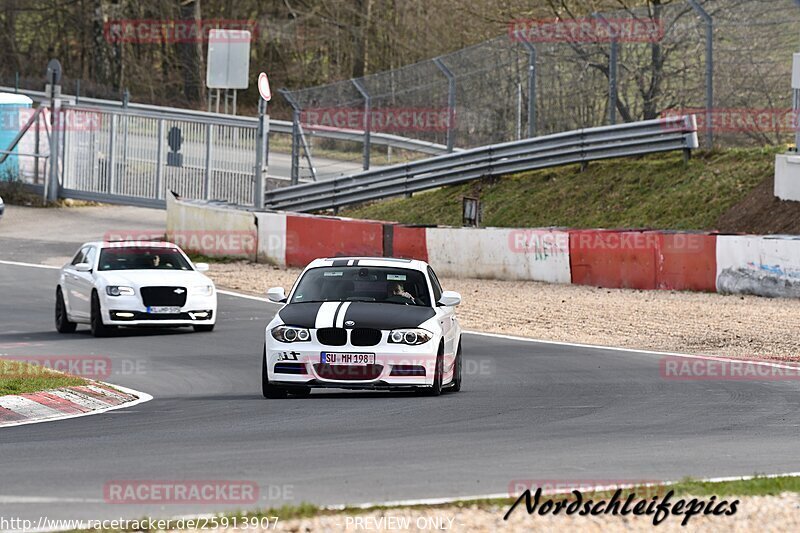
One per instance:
(138, 155)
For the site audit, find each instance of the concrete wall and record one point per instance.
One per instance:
(271, 238)
(500, 253)
(212, 231)
(763, 266)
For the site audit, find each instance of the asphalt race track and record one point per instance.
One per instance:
(527, 411)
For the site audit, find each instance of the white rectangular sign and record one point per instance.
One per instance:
(228, 65)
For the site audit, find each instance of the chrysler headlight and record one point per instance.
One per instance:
(290, 334)
(411, 337)
(203, 290)
(119, 290)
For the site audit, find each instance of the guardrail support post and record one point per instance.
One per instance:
(709, 22)
(451, 101)
(531, 86)
(367, 119)
(262, 144)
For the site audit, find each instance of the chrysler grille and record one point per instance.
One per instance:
(163, 296)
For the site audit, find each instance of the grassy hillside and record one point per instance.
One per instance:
(659, 191)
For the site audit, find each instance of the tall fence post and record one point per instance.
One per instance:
(160, 160)
(262, 136)
(295, 172)
(367, 120)
(709, 22)
(531, 86)
(54, 91)
(209, 159)
(111, 162)
(451, 101)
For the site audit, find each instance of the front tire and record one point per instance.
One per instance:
(203, 327)
(268, 389)
(436, 388)
(96, 320)
(63, 324)
(456, 386)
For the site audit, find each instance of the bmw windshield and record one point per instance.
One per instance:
(363, 284)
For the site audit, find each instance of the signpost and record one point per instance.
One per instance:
(228, 65)
(262, 141)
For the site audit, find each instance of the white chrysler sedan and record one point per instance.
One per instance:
(134, 283)
(363, 323)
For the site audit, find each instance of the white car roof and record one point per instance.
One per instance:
(413, 264)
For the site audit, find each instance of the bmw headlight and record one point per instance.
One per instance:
(410, 336)
(119, 290)
(203, 290)
(290, 334)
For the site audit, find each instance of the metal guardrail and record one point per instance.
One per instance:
(276, 126)
(580, 146)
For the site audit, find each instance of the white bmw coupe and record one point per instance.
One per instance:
(363, 323)
(134, 283)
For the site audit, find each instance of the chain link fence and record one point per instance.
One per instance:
(519, 85)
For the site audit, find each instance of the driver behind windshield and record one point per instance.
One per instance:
(398, 294)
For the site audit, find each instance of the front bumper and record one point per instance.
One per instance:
(130, 311)
(396, 365)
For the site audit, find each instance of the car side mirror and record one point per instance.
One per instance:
(449, 299)
(201, 267)
(276, 295)
(83, 267)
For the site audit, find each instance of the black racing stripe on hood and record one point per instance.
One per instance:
(302, 315)
(386, 316)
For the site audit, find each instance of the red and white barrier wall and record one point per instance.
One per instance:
(635, 259)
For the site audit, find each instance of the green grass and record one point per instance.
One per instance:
(658, 191)
(17, 377)
(758, 486)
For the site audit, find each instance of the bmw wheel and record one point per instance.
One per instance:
(456, 385)
(436, 388)
(63, 324)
